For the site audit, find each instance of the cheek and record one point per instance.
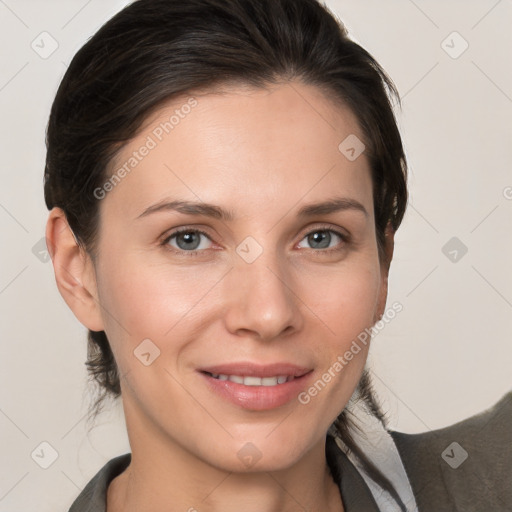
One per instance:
(349, 306)
(358, 300)
(344, 299)
(345, 304)
(141, 300)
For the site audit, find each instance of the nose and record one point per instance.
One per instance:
(261, 299)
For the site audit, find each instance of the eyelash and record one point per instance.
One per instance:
(165, 242)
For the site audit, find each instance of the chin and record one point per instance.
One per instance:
(262, 453)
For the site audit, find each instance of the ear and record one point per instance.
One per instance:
(384, 270)
(74, 271)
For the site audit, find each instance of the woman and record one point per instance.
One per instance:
(225, 179)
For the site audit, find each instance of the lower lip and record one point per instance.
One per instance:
(258, 398)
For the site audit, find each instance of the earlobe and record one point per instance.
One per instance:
(74, 271)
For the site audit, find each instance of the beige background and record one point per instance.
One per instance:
(446, 356)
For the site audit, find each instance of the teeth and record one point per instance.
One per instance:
(253, 381)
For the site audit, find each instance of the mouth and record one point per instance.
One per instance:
(249, 380)
(257, 387)
(256, 374)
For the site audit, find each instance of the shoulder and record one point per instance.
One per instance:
(93, 497)
(466, 466)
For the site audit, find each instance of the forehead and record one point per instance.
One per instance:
(246, 146)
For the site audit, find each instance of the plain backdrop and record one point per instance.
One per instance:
(446, 356)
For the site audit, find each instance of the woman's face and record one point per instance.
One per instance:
(263, 281)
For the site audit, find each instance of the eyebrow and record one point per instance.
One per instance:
(210, 210)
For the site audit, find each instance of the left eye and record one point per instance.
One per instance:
(321, 238)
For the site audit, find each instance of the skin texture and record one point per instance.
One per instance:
(261, 154)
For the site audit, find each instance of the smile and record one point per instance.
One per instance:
(265, 388)
(252, 380)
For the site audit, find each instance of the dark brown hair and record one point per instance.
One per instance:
(154, 50)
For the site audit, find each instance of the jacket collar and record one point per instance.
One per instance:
(355, 494)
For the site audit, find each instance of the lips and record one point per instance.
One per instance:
(246, 369)
(257, 387)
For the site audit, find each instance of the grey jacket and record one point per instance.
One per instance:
(466, 467)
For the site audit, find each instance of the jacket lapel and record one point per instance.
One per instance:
(355, 494)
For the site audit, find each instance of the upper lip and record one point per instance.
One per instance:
(257, 370)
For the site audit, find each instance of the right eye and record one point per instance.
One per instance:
(187, 240)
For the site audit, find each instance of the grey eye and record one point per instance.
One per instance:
(321, 238)
(189, 240)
